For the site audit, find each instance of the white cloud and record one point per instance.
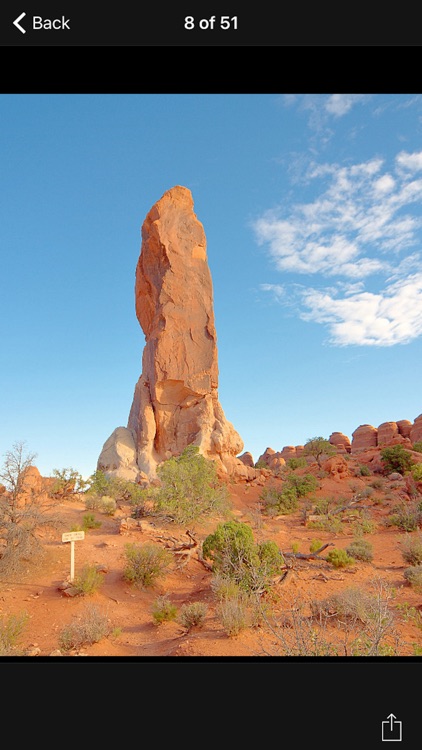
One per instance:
(412, 162)
(340, 104)
(393, 316)
(356, 231)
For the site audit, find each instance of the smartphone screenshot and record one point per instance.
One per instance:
(211, 426)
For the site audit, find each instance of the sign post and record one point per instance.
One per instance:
(72, 537)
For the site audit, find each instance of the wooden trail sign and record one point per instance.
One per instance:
(72, 537)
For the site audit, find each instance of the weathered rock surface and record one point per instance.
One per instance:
(340, 441)
(175, 402)
(404, 427)
(118, 455)
(365, 436)
(247, 459)
(337, 467)
(416, 431)
(387, 432)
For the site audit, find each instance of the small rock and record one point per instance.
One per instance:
(57, 652)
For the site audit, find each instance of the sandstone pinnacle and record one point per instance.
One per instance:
(175, 402)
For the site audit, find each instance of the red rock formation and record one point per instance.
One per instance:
(416, 431)
(175, 403)
(247, 459)
(365, 436)
(337, 467)
(340, 441)
(387, 432)
(404, 427)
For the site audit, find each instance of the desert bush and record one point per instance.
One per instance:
(108, 505)
(296, 463)
(278, 502)
(377, 483)
(414, 576)
(116, 487)
(27, 510)
(406, 516)
(418, 446)
(89, 522)
(190, 488)
(364, 470)
(193, 615)
(417, 472)
(146, 563)
(163, 610)
(363, 525)
(339, 558)
(93, 502)
(396, 459)
(88, 581)
(11, 628)
(234, 555)
(235, 612)
(360, 549)
(411, 548)
(302, 485)
(91, 627)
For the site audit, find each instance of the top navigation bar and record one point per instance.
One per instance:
(32, 23)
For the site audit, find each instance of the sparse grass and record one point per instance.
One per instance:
(377, 483)
(332, 524)
(91, 627)
(364, 471)
(314, 545)
(11, 628)
(146, 563)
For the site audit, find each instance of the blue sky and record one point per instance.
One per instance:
(311, 205)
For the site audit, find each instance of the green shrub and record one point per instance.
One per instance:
(193, 615)
(296, 463)
(88, 581)
(90, 628)
(332, 524)
(11, 627)
(261, 464)
(302, 485)
(190, 487)
(360, 549)
(234, 554)
(339, 558)
(363, 525)
(163, 610)
(278, 502)
(411, 549)
(145, 563)
(418, 446)
(99, 484)
(89, 522)
(417, 472)
(314, 545)
(364, 471)
(414, 576)
(396, 459)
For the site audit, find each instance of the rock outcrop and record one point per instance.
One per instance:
(416, 431)
(364, 437)
(175, 402)
(340, 441)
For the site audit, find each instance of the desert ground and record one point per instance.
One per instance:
(38, 590)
